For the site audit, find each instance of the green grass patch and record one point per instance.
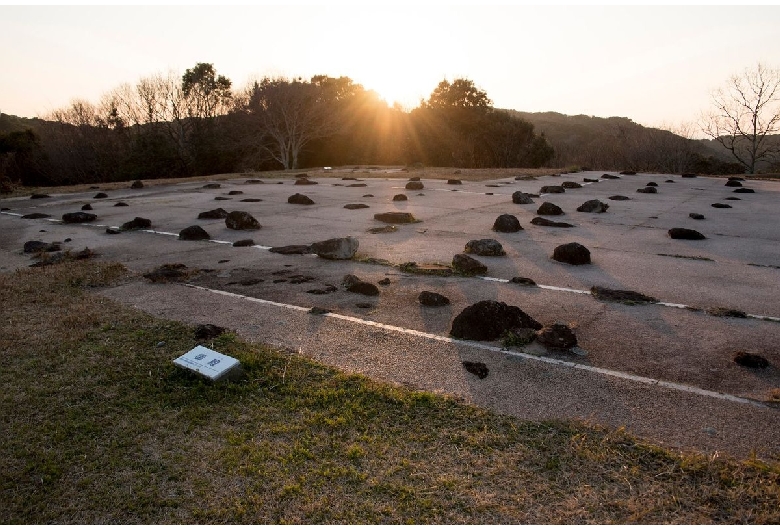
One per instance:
(98, 426)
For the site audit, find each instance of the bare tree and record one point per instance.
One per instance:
(746, 111)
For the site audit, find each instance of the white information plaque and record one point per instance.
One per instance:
(208, 363)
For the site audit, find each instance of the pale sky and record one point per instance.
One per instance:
(655, 65)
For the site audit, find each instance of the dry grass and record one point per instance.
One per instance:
(99, 427)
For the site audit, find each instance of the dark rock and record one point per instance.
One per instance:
(572, 253)
(519, 197)
(733, 184)
(78, 217)
(696, 216)
(244, 243)
(32, 247)
(541, 221)
(688, 175)
(738, 179)
(327, 290)
(548, 208)
(364, 288)
(431, 299)
(521, 280)
(489, 319)
(367, 195)
(113, 231)
(619, 198)
(292, 249)
(212, 186)
(139, 223)
(725, 312)
(732, 199)
(617, 295)
(222, 198)
(552, 189)
(744, 190)
(235, 192)
(400, 197)
(206, 332)
(40, 196)
(609, 177)
(384, 281)
(414, 179)
(557, 336)
(669, 181)
(465, 264)
(37, 215)
(254, 181)
(86, 207)
(303, 181)
(364, 305)
(193, 233)
(100, 195)
(219, 213)
(476, 368)
(685, 233)
(357, 185)
(721, 205)
(120, 204)
(395, 217)
(484, 247)
(356, 206)
(648, 189)
(651, 185)
(414, 185)
(251, 200)
(489, 194)
(454, 182)
(586, 179)
(136, 185)
(383, 230)
(507, 223)
(319, 311)
(593, 206)
(239, 220)
(750, 360)
(628, 172)
(299, 199)
(571, 185)
(337, 248)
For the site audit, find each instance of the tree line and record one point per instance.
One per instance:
(168, 125)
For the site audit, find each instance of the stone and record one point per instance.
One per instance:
(669, 181)
(239, 220)
(113, 231)
(732, 199)
(685, 233)
(619, 198)
(609, 177)
(251, 200)
(86, 207)
(136, 185)
(628, 173)
(552, 189)
(617, 295)
(357, 185)
(400, 197)
(356, 206)
(489, 319)
(431, 299)
(395, 217)
(484, 247)
(725, 312)
(204, 332)
(548, 208)
(521, 280)
(569, 185)
(291, 249)
(383, 230)
(327, 290)
(454, 182)
(36, 215)
(572, 253)
(194, 233)
(733, 184)
(696, 216)
(519, 197)
(479, 369)
(507, 223)
(303, 181)
(744, 190)
(720, 205)
(100, 195)
(384, 281)
(212, 186)
(541, 221)
(40, 196)
(78, 217)
(648, 189)
(235, 192)
(465, 264)
(337, 248)
(688, 175)
(414, 179)
(414, 185)
(139, 223)
(120, 204)
(222, 198)
(168, 272)
(651, 184)
(593, 206)
(254, 181)
(367, 195)
(32, 247)
(244, 243)
(299, 199)
(750, 360)
(364, 288)
(586, 179)
(557, 336)
(218, 213)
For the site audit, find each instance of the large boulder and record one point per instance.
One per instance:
(219, 213)
(593, 206)
(548, 208)
(489, 319)
(484, 247)
(194, 233)
(414, 185)
(395, 217)
(552, 189)
(139, 223)
(336, 248)
(685, 233)
(239, 220)
(557, 336)
(299, 198)
(519, 197)
(465, 264)
(541, 221)
(507, 223)
(572, 253)
(78, 217)
(431, 299)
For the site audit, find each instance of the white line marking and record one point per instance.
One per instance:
(526, 356)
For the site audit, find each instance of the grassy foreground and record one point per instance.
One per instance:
(99, 427)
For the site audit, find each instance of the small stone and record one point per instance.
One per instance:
(465, 264)
(489, 319)
(219, 213)
(593, 206)
(395, 217)
(384, 281)
(238, 220)
(669, 181)
(607, 176)
(586, 179)
(733, 184)
(113, 231)
(651, 184)
(139, 223)
(100, 195)
(557, 336)
(415, 185)
(364, 288)
(120, 204)
(193, 233)
(484, 247)
(571, 185)
(476, 368)
(696, 216)
(431, 299)
(86, 207)
(36, 215)
(222, 198)
(548, 208)
(400, 197)
(721, 205)
(356, 206)
(521, 280)
(161, 344)
(383, 230)
(552, 189)
(507, 223)
(572, 253)
(744, 190)
(519, 197)
(647, 189)
(619, 198)
(299, 199)
(212, 186)
(541, 221)
(368, 195)
(40, 196)
(454, 182)
(244, 243)
(251, 200)
(685, 233)
(235, 192)
(750, 360)
(319, 311)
